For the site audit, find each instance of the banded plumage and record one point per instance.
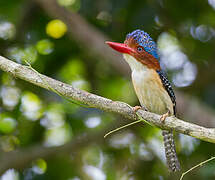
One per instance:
(151, 85)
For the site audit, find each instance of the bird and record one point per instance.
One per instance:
(151, 84)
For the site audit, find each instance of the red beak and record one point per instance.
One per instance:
(120, 47)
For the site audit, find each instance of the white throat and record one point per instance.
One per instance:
(148, 87)
(140, 73)
(134, 64)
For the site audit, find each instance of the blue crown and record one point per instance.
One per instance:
(144, 40)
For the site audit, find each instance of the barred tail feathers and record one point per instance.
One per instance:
(170, 152)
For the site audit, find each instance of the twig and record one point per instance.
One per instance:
(22, 157)
(53, 90)
(92, 100)
(194, 167)
(130, 124)
(122, 127)
(92, 39)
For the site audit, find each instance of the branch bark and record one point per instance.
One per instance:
(90, 38)
(95, 101)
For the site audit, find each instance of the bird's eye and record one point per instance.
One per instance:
(139, 48)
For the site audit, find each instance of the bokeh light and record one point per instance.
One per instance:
(45, 47)
(10, 174)
(72, 49)
(72, 5)
(39, 166)
(202, 32)
(9, 142)
(154, 143)
(66, 2)
(10, 96)
(21, 55)
(94, 172)
(29, 54)
(121, 140)
(58, 136)
(16, 54)
(144, 152)
(212, 3)
(92, 122)
(56, 28)
(186, 75)
(172, 58)
(7, 30)
(74, 73)
(7, 123)
(53, 116)
(31, 106)
(188, 144)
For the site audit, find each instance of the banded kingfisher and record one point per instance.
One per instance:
(151, 85)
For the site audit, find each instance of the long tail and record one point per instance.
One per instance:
(171, 156)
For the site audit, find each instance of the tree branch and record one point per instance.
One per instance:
(89, 37)
(95, 101)
(22, 157)
(85, 34)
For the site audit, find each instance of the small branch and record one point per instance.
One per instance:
(89, 37)
(95, 101)
(194, 167)
(22, 157)
(122, 127)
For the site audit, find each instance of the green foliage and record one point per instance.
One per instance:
(30, 115)
(7, 123)
(44, 47)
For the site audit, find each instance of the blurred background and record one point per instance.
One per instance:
(43, 136)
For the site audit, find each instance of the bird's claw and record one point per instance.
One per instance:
(136, 108)
(164, 116)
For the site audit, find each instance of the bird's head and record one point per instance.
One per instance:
(141, 47)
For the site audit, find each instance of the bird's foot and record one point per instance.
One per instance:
(136, 108)
(164, 116)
